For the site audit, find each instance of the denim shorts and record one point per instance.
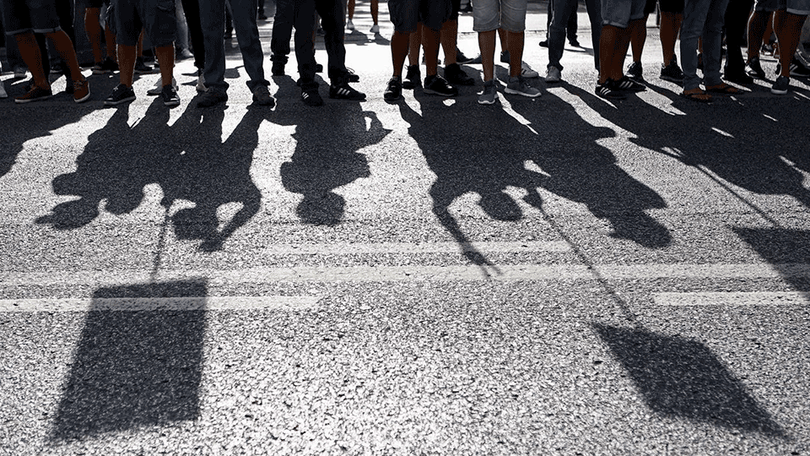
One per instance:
(405, 14)
(489, 15)
(619, 13)
(156, 17)
(799, 7)
(30, 15)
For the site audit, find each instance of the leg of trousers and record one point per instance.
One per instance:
(247, 35)
(212, 20)
(192, 10)
(331, 12)
(736, 20)
(282, 30)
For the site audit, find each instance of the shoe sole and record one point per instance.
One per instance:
(118, 102)
(488, 102)
(779, 92)
(671, 79)
(31, 100)
(434, 92)
(171, 103)
(82, 99)
(523, 94)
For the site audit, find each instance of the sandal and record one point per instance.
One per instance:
(697, 95)
(724, 89)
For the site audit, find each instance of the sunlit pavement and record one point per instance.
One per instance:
(560, 275)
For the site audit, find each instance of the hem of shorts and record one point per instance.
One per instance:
(797, 12)
(616, 24)
(47, 30)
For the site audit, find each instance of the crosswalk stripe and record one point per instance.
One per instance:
(425, 247)
(727, 298)
(154, 304)
(414, 273)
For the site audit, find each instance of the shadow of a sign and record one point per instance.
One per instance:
(682, 378)
(138, 365)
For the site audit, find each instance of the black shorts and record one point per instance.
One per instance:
(671, 6)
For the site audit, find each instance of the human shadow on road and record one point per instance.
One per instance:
(134, 369)
(188, 160)
(682, 378)
(326, 157)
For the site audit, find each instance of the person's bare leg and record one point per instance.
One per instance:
(92, 27)
(486, 43)
(165, 57)
(64, 47)
(607, 47)
(757, 24)
(504, 39)
(400, 42)
(623, 44)
(126, 64)
(515, 41)
(788, 29)
(350, 9)
(430, 43)
(414, 45)
(29, 51)
(670, 27)
(638, 36)
(448, 39)
(112, 48)
(375, 11)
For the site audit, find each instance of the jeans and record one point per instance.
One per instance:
(282, 30)
(702, 18)
(562, 10)
(331, 12)
(212, 17)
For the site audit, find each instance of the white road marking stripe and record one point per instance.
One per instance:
(416, 273)
(427, 247)
(719, 298)
(154, 304)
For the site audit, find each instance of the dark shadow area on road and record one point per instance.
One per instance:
(188, 160)
(133, 369)
(326, 156)
(682, 378)
(788, 251)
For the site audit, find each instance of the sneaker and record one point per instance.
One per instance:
(505, 57)
(81, 90)
(672, 72)
(413, 78)
(349, 25)
(527, 72)
(108, 65)
(36, 93)
(3, 93)
(455, 75)
(461, 58)
(120, 94)
(262, 97)
(345, 92)
(737, 75)
(780, 86)
(754, 69)
(574, 42)
(629, 85)
(96, 69)
(608, 91)
(351, 76)
(19, 72)
(170, 97)
(437, 85)
(375, 29)
(474, 61)
(183, 54)
(157, 89)
(141, 67)
(553, 74)
(489, 95)
(311, 97)
(393, 91)
(635, 72)
(212, 97)
(517, 86)
(543, 43)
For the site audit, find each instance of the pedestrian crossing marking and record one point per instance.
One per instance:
(194, 303)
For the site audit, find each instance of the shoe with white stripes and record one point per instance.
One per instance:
(311, 97)
(345, 92)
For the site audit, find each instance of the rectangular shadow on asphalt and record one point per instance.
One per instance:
(135, 368)
(788, 251)
(682, 378)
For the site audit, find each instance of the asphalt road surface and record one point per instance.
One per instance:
(560, 275)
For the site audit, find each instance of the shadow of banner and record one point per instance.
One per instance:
(134, 367)
(682, 378)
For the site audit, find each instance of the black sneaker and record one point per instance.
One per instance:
(608, 91)
(413, 78)
(311, 97)
(737, 75)
(345, 92)
(543, 43)
(393, 91)
(351, 76)
(455, 75)
(672, 72)
(120, 94)
(505, 57)
(262, 97)
(461, 58)
(635, 72)
(170, 97)
(437, 85)
(212, 97)
(754, 69)
(36, 93)
(629, 85)
(141, 67)
(780, 86)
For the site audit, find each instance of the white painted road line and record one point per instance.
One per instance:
(719, 298)
(416, 273)
(205, 303)
(426, 247)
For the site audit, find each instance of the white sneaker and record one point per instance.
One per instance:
(350, 24)
(553, 74)
(375, 29)
(3, 93)
(527, 72)
(201, 83)
(157, 89)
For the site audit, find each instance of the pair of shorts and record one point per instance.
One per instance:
(798, 7)
(671, 6)
(455, 8)
(619, 13)
(96, 3)
(38, 16)
(489, 15)
(156, 17)
(405, 14)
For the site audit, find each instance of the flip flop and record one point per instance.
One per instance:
(724, 89)
(700, 96)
